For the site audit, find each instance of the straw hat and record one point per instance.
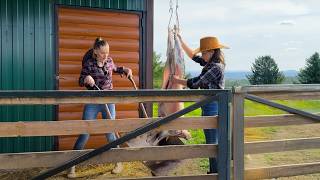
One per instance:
(209, 43)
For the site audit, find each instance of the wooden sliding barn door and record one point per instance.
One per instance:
(77, 30)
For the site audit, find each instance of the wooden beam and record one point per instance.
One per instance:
(52, 159)
(96, 100)
(224, 136)
(281, 145)
(278, 88)
(282, 171)
(100, 97)
(238, 136)
(74, 127)
(282, 92)
(147, 64)
(276, 120)
(289, 95)
(195, 177)
(108, 93)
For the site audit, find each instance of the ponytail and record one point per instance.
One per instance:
(99, 42)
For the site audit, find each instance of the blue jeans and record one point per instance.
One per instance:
(90, 112)
(211, 135)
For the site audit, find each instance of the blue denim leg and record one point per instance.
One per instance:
(110, 136)
(211, 135)
(90, 112)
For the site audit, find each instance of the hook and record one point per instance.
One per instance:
(171, 12)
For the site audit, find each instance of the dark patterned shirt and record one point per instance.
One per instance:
(101, 75)
(211, 77)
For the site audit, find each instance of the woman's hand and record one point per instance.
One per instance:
(177, 80)
(179, 36)
(185, 47)
(89, 81)
(128, 72)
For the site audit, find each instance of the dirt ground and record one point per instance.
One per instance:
(131, 170)
(282, 158)
(195, 166)
(100, 172)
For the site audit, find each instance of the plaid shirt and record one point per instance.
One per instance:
(211, 77)
(101, 75)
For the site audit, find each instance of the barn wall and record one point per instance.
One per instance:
(77, 30)
(28, 58)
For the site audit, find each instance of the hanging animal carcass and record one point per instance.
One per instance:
(174, 67)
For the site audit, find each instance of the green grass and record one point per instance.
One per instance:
(204, 163)
(254, 109)
(196, 112)
(251, 109)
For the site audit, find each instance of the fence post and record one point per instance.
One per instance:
(238, 135)
(224, 152)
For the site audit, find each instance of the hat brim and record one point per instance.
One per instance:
(221, 46)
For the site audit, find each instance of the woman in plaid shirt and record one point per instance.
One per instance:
(97, 70)
(211, 77)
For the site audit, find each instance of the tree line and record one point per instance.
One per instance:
(263, 71)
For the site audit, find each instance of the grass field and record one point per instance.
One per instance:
(253, 109)
(269, 133)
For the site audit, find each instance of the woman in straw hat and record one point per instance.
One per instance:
(211, 57)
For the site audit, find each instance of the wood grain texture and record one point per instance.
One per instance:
(282, 171)
(77, 30)
(238, 136)
(195, 177)
(75, 127)
(51, 159)
(276, 120)
(282, 145)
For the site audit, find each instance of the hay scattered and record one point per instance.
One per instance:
(102, 171)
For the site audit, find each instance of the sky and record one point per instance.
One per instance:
(287, 30)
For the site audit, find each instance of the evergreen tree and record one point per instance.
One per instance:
(265, 71)
(311, 73)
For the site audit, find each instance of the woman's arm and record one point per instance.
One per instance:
(185, 47)
(190, 52)
(123, 70)
(85, 78)
(128, 72)
(213, 75)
